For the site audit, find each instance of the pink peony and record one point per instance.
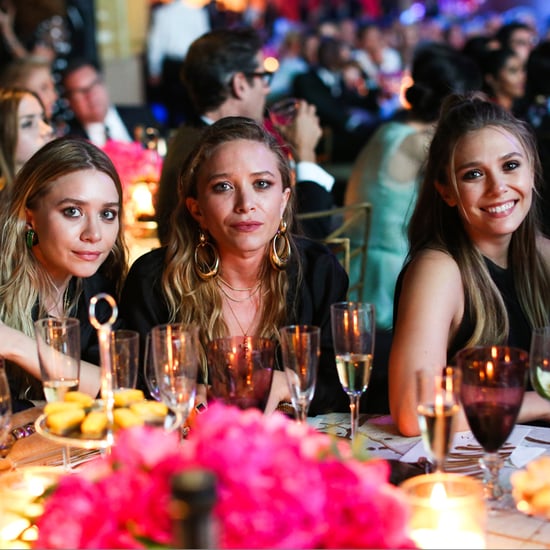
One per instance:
(280, 485)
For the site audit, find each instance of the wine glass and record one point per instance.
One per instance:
(437, 407)
(240, 370)
(176, 358)
(58, 344)
(353, 329)
(5, 404)
(300, 346)
(283, 112)
(492, 390)
(149, 369)
(539, 361)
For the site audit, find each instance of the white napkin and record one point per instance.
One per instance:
(523, 455)
(465, 438)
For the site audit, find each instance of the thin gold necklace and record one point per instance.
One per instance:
(245, 332)
(248, 289)
(237, 300)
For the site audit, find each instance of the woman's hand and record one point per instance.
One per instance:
(279, 391)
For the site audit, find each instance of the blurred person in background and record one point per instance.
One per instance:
(24, 129)
(504, 77)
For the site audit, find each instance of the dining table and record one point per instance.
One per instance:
(377, 438)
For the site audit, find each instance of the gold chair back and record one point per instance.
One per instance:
(349, 240)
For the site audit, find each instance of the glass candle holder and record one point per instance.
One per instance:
(447, 511)
(21, 503)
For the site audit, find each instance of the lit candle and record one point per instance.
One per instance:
(448, 511)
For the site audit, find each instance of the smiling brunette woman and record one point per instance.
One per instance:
(478, 270)
(61, 244)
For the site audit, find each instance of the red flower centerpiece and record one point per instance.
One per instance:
(280, 484)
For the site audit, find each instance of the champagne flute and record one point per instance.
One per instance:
(492, 390)
(539, 361)
(437, 407)
(58, 344)
(176, 359)
(353, 329)
(124, 358)
(5, 404)
(300, 346)
(149, 369)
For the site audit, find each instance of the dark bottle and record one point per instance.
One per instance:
(193, 498)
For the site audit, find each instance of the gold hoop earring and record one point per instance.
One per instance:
(31, 238)
(206, 269)
(280, 248)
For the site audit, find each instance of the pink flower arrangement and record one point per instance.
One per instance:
(133, 162)
(280, 484)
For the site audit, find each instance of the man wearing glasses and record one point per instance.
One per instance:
(224, 74)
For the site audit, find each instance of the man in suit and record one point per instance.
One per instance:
(95, 117)
(225, 76)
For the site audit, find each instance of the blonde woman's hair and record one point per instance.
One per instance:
(23, 280)
(190, 299)
(434, 224)
(10, 98)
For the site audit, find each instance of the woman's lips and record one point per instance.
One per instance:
(87, 256)
(246, 226)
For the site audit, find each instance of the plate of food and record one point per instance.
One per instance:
(531, 488)
(81, 421)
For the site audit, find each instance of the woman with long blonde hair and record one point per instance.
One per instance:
(61, 244)
(232, 265)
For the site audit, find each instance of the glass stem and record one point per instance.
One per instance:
(301, 411)
(490, 464)
(354, 410)
(66, 458)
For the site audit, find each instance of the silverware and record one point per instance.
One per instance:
(535, 440)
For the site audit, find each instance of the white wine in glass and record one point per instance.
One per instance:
(437, 407)
(353, 330)
(58, 344)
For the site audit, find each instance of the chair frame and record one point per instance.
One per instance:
(339, 241)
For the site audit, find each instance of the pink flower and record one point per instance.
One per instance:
(132, 162)
(279, 485)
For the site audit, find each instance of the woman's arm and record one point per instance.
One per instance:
(430, 309)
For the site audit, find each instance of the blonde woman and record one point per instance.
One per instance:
(232, 265)
(61, 244)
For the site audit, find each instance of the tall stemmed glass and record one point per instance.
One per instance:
(149, 369)
(176, 358)
(301, 347)
(539, 361)
(5, 404)
(353, 329)
(58, 344)
(492, 390)
(438, 399)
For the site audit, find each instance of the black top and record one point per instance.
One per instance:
(520, 332)
(324, 282)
